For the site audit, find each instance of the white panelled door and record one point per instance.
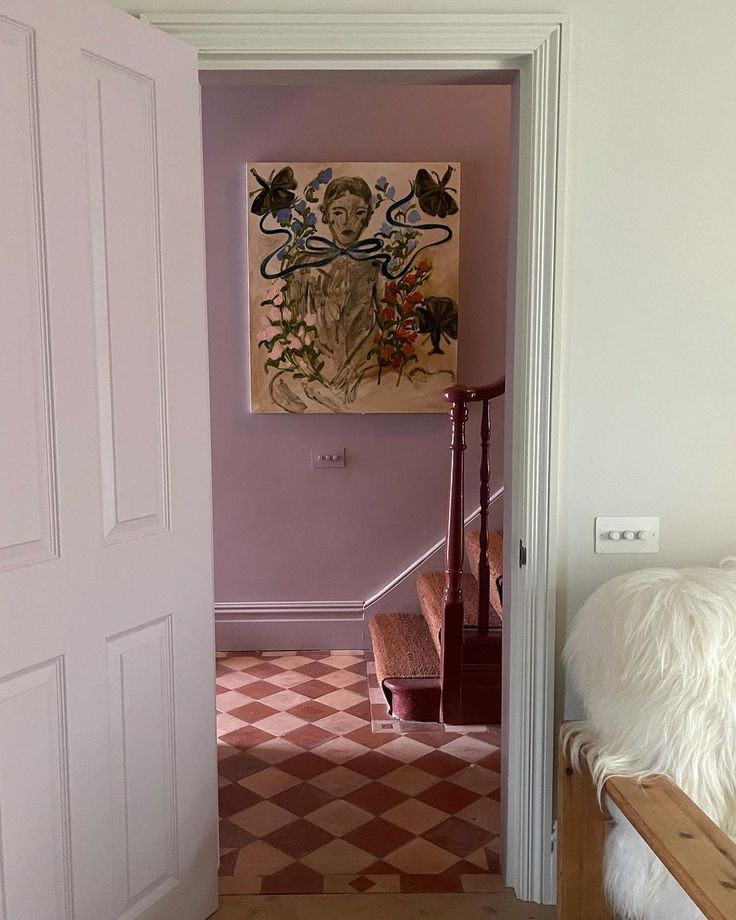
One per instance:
(107, 738)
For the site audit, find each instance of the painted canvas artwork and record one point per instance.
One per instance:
(353, 286)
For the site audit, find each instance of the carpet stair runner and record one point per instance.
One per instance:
(407, 647)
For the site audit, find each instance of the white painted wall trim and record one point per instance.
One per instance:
(535, 46)
(419, 561)
(250, 624)
(298, 625)
(280, 610)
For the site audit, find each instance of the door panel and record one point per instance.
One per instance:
(28, 523)
(122, 126)
(142, 737)
(107, 741)
(35, 880)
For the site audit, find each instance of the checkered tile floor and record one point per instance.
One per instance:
(313, 800)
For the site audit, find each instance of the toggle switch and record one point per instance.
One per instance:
(626, 535)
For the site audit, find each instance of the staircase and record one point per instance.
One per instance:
(445, 664)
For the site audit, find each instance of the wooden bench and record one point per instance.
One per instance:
(697, 853)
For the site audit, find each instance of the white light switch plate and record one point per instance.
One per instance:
(328, 459)
(635, 535)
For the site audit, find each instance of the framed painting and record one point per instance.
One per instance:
(353, 272)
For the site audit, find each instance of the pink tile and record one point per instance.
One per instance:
(339, 781)
(338, 858)
(420, 856)
(339, 817)
(262, 819)
(279, 724)
(415, 816)
(485, 813)
(269, 782)
(409, 780)
(259, 858)
(477, 778)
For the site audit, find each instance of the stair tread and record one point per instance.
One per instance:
(403, 647)
(495, 560)
(431, 591)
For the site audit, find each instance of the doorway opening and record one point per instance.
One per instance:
(321, 790)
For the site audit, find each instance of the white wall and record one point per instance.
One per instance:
(649, 339)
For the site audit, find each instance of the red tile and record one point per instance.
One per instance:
(378, 837)
(227, 862)
(294, 879)
(306, 765)
(433, 739)
(447, 796)
(311, 711)
(443, 883)
(360, 710)
(467, 868)
(438, 763)
(265, 669)
(315, 669)
(302, 799)
(308, 736)
(374, 764)
(233, 836)
(238, 766)
(362, 884)
(492, 761)
(366, 736)
(496, 794)
(494, 861)
(235, 798)
(260, 689)
(253, 712)
(375, 798)
(299, 839)
(458, 837)
(381, 868)
(315, 688)
(248, 736)
(219, 689)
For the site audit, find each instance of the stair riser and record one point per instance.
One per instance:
(487, 651)
(413, 700)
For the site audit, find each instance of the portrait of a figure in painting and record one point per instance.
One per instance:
(353, 286)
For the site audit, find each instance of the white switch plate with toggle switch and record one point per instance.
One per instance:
(328, 459)
(627, 535)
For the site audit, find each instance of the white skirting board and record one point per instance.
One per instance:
(301, 625)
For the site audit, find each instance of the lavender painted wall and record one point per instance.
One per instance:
(282, 530)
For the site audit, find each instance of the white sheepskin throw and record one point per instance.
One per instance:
(652, 655)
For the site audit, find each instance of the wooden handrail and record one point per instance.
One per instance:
(466, 394)
(697, 853)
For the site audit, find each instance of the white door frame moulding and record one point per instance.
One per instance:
(535, 48)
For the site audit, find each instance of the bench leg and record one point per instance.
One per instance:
(581, 828)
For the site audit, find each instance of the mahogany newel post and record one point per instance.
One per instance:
(452, 622)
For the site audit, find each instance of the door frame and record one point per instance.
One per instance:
(530, 51)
